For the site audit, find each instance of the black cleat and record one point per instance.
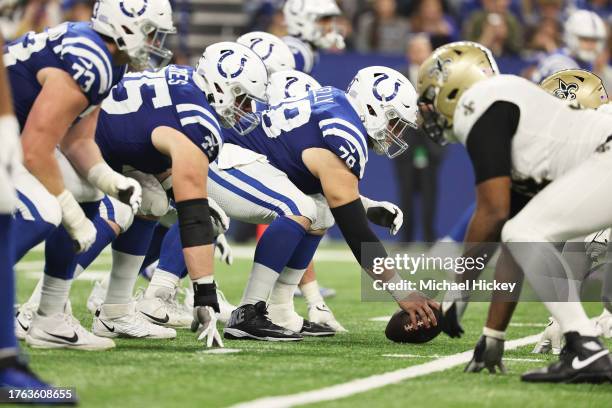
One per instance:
(316, 329)
(582, 360)
(251, 322)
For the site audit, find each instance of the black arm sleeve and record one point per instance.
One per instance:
(489, 143)
(352, 221)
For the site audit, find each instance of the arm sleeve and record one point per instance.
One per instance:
(489, 142)
(352, 221)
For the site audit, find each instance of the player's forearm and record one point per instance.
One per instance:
(44, 166)
(83, 154)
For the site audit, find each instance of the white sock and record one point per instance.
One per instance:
(285, 286)
(123, 276)
(161, 280)
(571, 317)
(312, 294)
(260, 284)
(35, 296)
(204, 280)
(54, 294)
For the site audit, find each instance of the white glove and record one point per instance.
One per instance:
(125, 189)
(384, 213)
(596, 244)
(11, 154)
(154, 199)
(207, 331)
(604, 324)
(551, 340)
(79, 227)
(224, 250)
(323, 315)
(220, 220)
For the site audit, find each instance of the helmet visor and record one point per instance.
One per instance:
(241, 116)
(394, 139)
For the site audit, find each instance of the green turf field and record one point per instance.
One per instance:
(159, 373)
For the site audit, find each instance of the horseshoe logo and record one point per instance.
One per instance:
(224, 55)
(383, 98)
(132, 12)
(256, 41)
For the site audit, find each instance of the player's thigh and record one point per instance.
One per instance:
(35, 202)
(576, 204)
(258, 193)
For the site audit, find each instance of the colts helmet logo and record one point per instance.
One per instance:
(132, 10)
(566, 91)
(265, 56)
(378, 95)
(291, 81)
(224, 55)
(440, 71)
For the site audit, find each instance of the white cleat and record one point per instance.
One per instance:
(604, 324)
(62, 330)
(225, 307)
(551, 340)
(163, 309)
(124, 321)
(96, 297)
(23, 319)
(322, 314)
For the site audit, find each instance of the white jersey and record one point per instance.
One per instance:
(551, 137)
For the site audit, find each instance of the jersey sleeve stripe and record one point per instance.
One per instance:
(349, 127)
(95, 60)
(197, 119)
(351, 139)
(190, 107)
(96, 49)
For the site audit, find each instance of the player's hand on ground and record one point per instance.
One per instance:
(129, 192)
(224, 250)
(207, 329)
(488, 354)
(417, 304)
(551, 339)
(322, 314)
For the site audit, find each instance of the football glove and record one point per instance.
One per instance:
(551, 340)
(451, 314)
(154, 200)
(487, 354)
(207, 326)
(384, 213)
(219, 219)
(11, 154)
(604, 324)
(224, 250)
(596, 244)
(78, 226)
(322, 314)
(126, 189)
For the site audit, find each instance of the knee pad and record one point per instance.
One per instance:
(114, 210)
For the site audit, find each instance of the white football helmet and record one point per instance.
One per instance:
(303, 19)
(272, 50)
(290, 84)
(235, 78)
(138, 27)
(387, 103)
(583, 24)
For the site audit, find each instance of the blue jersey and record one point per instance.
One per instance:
(558, 60)
(306, 57)
(144, 101)
(72, 47)
(322, 119)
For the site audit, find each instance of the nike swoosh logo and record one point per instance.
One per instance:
(163, 320)
(110, 329)
(322, 309)
(72, 339)
(577, 364)
(25, 328)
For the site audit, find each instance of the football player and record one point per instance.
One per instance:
(311, 26)
(585, 37)
(519, 139)
(272, 50)
(171, 125)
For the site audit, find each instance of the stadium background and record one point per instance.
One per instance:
(377, 33)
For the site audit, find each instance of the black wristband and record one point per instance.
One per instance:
(353, 223)
(194, 222)
(205, 294)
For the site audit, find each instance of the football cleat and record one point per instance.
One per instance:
(583, 360)
(551, 340)
(604, 323)
(23, 319)
(62, 330)
(123, 321)
(316, 330)
(325, 292)
(284, 315)
(164, 310)
(487, 354)
(451, 315)
(322, 314)
(96, 297)
(251, 322)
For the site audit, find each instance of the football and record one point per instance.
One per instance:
(401, 330)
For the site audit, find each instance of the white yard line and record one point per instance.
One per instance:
(375, 381)
(517, 324)
(439, 356)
